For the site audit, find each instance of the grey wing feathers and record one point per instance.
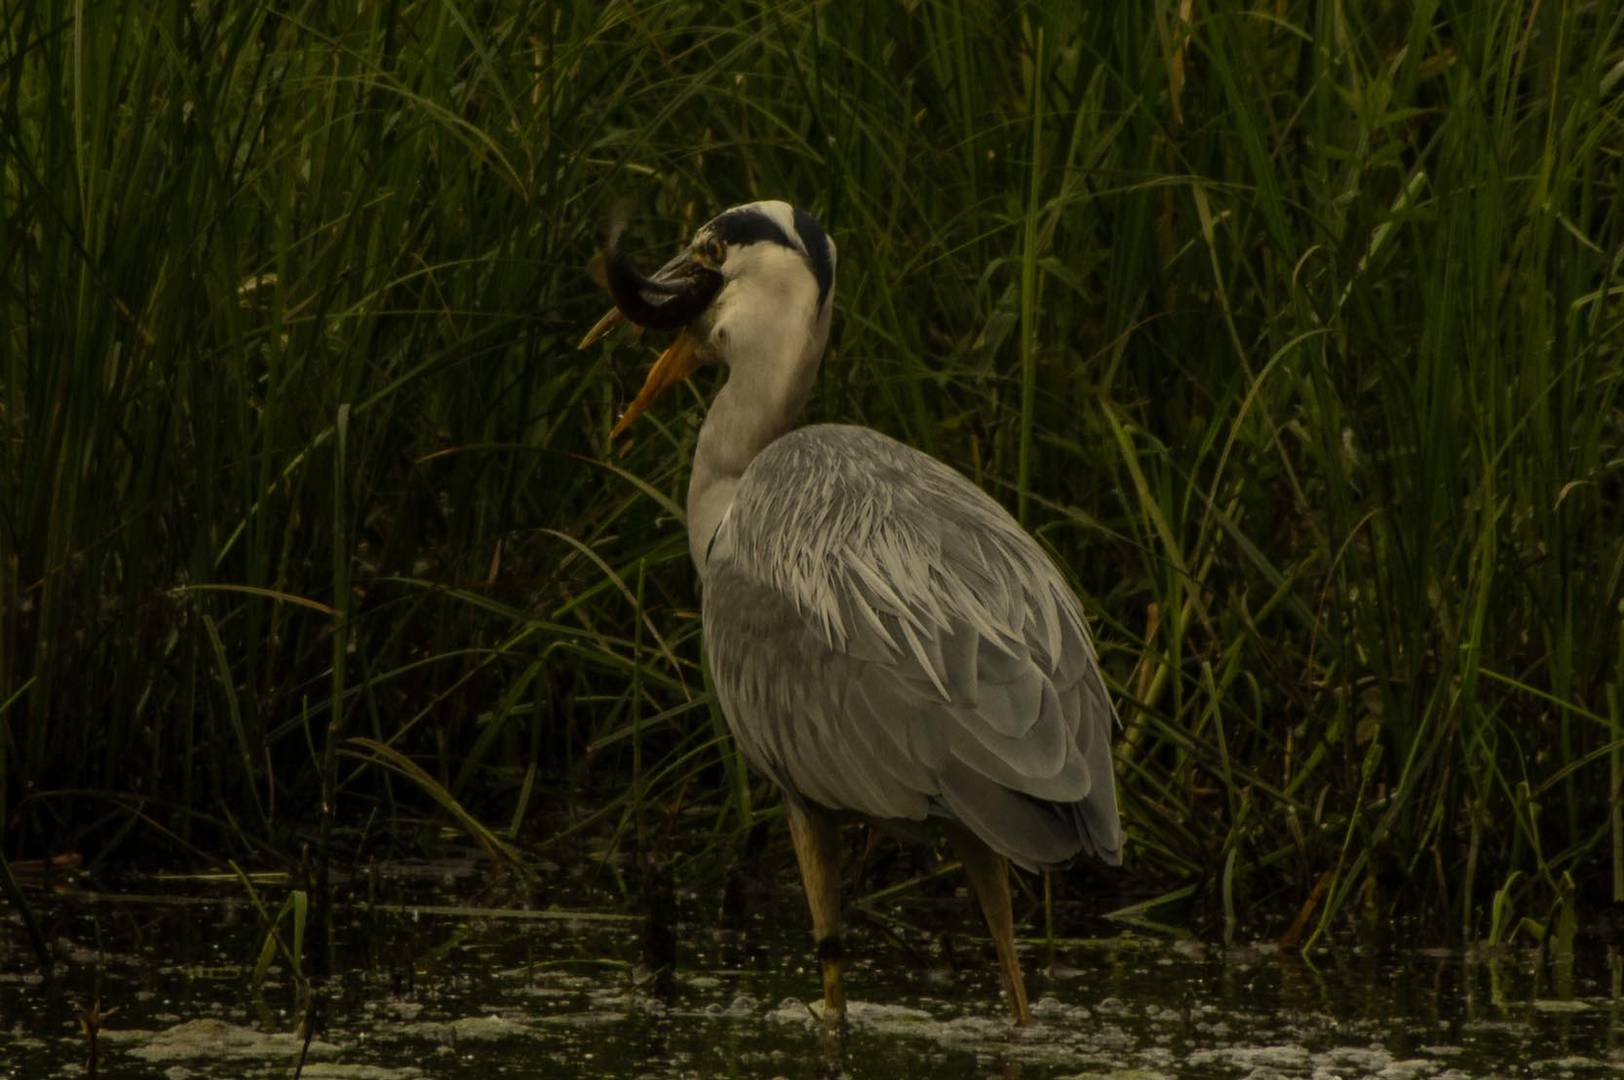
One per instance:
(886, 639)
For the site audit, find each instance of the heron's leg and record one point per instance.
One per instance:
(988, 872)
(817, 848)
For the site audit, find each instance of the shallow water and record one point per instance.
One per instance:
(445, 991)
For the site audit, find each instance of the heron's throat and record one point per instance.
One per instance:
(756, 405)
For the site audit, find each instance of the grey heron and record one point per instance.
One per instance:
(884, 638)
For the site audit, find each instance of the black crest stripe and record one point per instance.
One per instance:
(751, 226)
(748, 227)
(817, 251)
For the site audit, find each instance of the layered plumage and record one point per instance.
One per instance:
(886, 639)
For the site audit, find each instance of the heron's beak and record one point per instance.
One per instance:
(611, 319)
(677, 294)
(678, 362)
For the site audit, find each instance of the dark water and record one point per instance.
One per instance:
(444, 991)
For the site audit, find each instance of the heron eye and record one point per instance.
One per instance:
(713, 251)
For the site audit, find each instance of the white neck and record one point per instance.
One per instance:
(769, 329)
(745, 417)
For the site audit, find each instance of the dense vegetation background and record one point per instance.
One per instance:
(1293, 330)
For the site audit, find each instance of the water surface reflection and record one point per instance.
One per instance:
(457, 991)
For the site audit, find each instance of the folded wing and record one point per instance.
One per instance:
(886, 639)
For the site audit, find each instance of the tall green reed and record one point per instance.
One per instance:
(1294, 334)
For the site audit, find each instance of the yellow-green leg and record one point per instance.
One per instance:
(817, 849)
(988, 872)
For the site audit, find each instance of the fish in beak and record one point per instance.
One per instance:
(676, 295)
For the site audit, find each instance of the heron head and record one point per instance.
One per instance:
(754, 285)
